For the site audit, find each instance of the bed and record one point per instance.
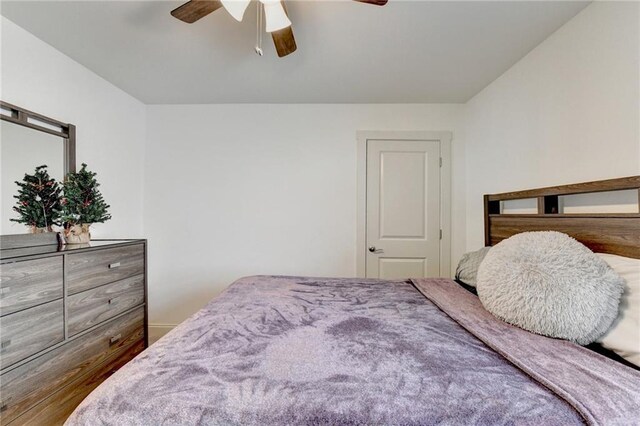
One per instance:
(301, 350)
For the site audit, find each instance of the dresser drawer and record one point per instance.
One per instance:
(26, 385)
(95, 268)
(55, 409)
(28, 283)
(29, 331)
(93, 306)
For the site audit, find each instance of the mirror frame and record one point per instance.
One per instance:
(32, 120)
(23, 117)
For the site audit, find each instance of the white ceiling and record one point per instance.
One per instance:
(348, 52)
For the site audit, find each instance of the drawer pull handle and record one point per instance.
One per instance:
(114, 265)
(5, 344)
(110, 301)
(4, 290)
(115, 339)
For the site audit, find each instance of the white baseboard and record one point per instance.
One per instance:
(156, 331)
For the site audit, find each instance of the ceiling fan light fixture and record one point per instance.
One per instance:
(275, 16)
(236, 8)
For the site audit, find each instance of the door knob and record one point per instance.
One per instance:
(372, 249)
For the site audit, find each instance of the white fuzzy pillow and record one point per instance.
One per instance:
(550, 284)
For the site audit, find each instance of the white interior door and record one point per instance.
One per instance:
(403, 209)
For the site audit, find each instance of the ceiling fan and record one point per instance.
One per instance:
(276, 18)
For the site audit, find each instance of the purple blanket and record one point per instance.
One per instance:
(296, 350)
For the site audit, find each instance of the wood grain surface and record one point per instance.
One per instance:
(91, 307)
(92, 269)
(28, 240)
(617, 184)
(28, 283)
(614, 233)
(27, 332)
(194, 10)
(55, 409)
(28, 384)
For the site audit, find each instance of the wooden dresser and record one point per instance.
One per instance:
(69, 318)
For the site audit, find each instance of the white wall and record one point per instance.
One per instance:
(243, 189)
(567, 112)
(110, 123)
(234, 190)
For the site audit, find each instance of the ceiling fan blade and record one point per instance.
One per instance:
(284, 41)
(374, 2)
(193, 10)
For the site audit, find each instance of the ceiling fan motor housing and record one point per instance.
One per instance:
(283, 39)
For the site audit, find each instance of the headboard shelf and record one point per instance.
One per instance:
(567, 215)
(618, 184)
(615, 233)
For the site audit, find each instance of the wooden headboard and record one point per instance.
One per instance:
(615, 233)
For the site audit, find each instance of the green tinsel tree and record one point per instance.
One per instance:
(82, 202)
(38, 200)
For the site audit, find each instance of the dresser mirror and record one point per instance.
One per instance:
(29, 140)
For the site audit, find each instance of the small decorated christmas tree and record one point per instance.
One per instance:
(38, 200)
(83, 203)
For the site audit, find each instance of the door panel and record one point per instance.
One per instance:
(390, 268)
(402, 192)
(403, 209)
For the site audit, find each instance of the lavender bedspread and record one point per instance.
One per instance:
(297, 350)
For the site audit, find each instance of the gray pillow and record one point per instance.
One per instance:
(467, 269)
(550, 284)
